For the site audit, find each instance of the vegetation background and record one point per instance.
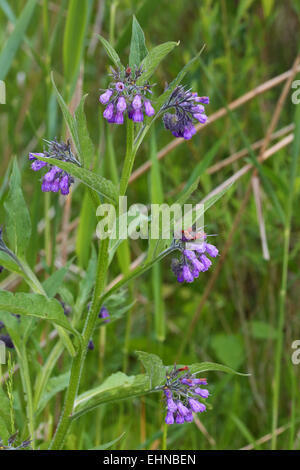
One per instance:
(230, 315)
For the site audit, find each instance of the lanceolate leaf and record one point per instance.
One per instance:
(99, 184)
(138, 49)
(34, 305)
(77, 19)
(212, 366)
(70, 121)
(117, 387)
(87, 149)
(54, 386)
(163, 98)
(54, 282)
(107, 445)
(111, 52)
(18, 225)
(153, 59)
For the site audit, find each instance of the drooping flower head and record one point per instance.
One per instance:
(125, 95)
(193, 260)
(183, 395)
(55, 179)
(189, 109)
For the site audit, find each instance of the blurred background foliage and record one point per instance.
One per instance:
(247, 43)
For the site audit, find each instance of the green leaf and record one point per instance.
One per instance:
(229, 349)
(18, 225)
(18, 330)
(4, 415)
(53, 283)
(86, 284)
(34, 305)
(153, 366)
(87, 149)
(96, 182)
(70, 121)
(117, 387)
(7, 262)
(164, 97)
(15, 40)
(111, 52)
(107, 445)
(262, 330)
(213, 367)
(138, 49)
(86, 230)
(154, 58)
(53, 387)
(4, 433)
(74, 35)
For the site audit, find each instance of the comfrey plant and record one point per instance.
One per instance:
(94, 302)
(182, 394)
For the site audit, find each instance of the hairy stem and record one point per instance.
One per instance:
(78, 361)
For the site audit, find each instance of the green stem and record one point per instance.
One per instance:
(164, 438)
(25, 375)
(78, 361)
(48, 251)
(129, 158)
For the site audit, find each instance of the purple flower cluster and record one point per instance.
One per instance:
(55, 179)
(125, 95)
(183, 395)
(193, 258)
(188, 108)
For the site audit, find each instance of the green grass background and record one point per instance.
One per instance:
(247, 43)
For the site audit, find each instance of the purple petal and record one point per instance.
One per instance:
(105, 97)
(169, 418)
(38, 165)
(137, 102)
(64, 185)
(137, 115)
(121, 104)
(109, 111)
(149, 110)
(211, 250)
(202, 392)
